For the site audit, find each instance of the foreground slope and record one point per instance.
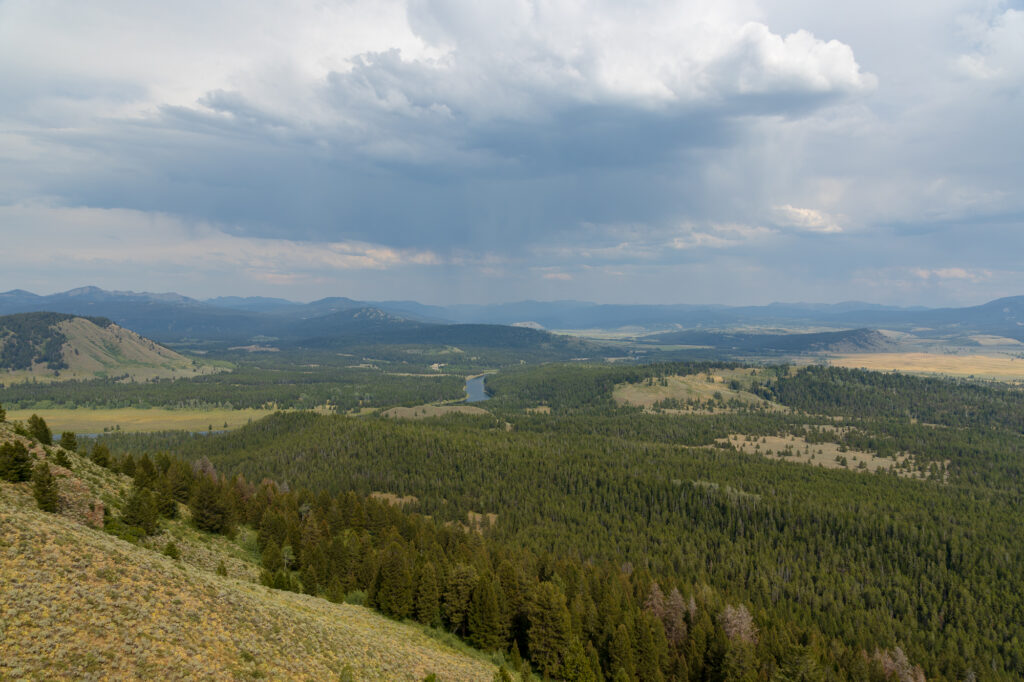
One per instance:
(76, 603)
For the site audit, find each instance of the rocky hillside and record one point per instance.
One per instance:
(78, 603)
(55, 346)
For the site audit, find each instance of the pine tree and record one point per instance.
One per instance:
(427, 602)
(486, 629)
(68, 441)
(394, 585)
(502, 675)
(550, 628)
(3, 414)
(100, 455)
(140, 511)
(44, 487)
(271, 558)
(209, 510)
(165, 502)
(651, 648)
(577, 665)
(15, 462)
(145, 472)
(457, 593)
(620, 652)
(179, 480)
(39, 430)
(740, 662)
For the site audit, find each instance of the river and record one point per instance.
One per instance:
(475, 391)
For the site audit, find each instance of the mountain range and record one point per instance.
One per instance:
(170, 317)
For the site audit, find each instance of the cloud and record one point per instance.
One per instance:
(999, 48)
(807, 219)
(951, 274)
(109, 237)
(719, 236)
(562, 276)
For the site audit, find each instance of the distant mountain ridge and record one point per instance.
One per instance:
(851, 341)
(170, 317)
(329, 322)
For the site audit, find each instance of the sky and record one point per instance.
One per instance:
(451, 151)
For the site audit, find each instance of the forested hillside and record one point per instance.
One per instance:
(834, 570)
(163, 593)
(53, 346)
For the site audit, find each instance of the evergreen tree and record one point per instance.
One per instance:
(179, 480)
(209, 509)
(39, 430)
(394, 583)
(44, 487)
(457, 593)
(60, 458)
(271, 558)
(140, 511)
(651, 648)
(427, 601)
(486, 629)
(15, 462)
(3, 414)
(166, 505)
(620, 652)
(100, 455)
(550, 629)
(502, 675)
(68, 441)
(145, 472)
(740, 662)
(577, 665)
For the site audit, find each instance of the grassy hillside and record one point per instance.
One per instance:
(57, 347)
(76, 602)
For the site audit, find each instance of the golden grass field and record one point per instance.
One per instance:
(424, 411)
(818, 454)
(84, 420)
(701, 387)
(999, 367)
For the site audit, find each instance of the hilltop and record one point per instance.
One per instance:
(47, 346)
(78, 602)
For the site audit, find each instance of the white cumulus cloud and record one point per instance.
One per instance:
(807, 219)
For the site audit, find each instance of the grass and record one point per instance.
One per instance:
(701, 387)
(999, 367)
(425, 411)
(83, 420)
(826, 455)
